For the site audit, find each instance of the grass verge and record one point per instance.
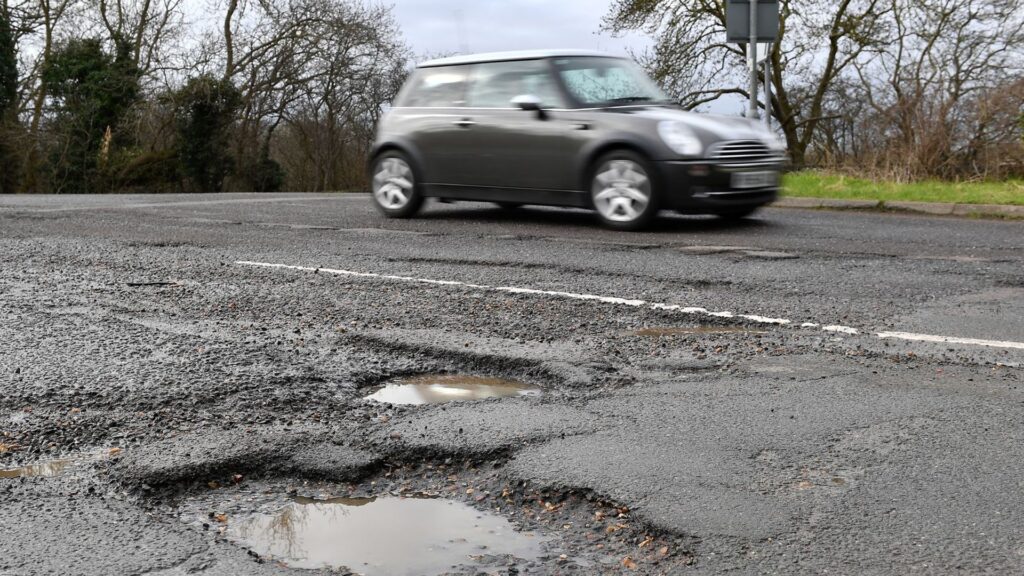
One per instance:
(812, 184)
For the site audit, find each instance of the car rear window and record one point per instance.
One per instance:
(442, 87)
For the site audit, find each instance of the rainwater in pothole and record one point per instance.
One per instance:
(441, 388)
(44, 470)
(58, 467)
(386, 536)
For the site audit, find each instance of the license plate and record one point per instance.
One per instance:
(754, 179)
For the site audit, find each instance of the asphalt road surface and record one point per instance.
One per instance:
(802, 393)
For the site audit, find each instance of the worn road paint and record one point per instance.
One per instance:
(950, 340)
(645, 304)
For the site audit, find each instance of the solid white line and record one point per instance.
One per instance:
(643, 304)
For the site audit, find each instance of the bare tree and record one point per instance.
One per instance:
(817, 43)
(941, 87)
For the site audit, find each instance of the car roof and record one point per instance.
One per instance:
(509, 56)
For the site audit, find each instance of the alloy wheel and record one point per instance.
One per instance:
(621, 190)
(393, 183)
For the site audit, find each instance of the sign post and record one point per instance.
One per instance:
(749, 22)
(768, 88)
(752, 48)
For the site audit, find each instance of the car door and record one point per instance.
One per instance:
(433, 118)
(519, 149)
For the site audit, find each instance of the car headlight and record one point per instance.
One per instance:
(680, 139)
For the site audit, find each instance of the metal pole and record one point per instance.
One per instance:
(752, 50)
(768, 88)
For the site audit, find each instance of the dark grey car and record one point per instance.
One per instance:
(567, 128)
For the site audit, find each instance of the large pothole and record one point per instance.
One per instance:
(433, 519)
(386, 536)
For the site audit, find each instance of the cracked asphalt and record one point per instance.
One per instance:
(130, 331)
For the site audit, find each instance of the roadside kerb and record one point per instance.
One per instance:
(930, 208)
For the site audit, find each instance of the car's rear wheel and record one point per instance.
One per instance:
(623, 191)
(396, 191)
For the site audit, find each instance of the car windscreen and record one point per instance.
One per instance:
(595, 81)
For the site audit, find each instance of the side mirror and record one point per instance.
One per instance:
(529, 103)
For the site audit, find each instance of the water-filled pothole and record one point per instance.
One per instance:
(690, 330)
(441, 388)
(44, 470)
(381, 536)
(54, 468)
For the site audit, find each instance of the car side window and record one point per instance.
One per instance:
(495, 84)
(442, 87)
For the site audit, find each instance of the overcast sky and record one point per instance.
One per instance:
(456, 26)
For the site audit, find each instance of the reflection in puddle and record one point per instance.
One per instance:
(380, 536)
(658, 332)
(437, 389)
(56, 467)
(45, 470)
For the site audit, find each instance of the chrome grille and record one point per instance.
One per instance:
(741, 151)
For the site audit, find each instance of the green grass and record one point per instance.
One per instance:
(825, 185)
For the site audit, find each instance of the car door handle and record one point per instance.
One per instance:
(465, 123)
(581, 126)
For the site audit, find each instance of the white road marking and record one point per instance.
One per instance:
(950, 340)
(841, 330)
(909, 336)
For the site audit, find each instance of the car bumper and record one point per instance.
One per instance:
(696, 187)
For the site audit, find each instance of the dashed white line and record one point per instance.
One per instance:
(634, 303)
(950, 340)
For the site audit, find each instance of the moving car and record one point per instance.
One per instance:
(565, 128)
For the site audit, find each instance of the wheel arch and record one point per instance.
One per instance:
(396, 146)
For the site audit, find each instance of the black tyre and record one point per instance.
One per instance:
(624, 191)
(396, 188)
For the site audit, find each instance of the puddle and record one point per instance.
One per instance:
(441, 388)
(55, 467)
(45, 470)
(659, 332)
(386, 536)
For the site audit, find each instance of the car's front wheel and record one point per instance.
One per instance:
(623, 191)
(396, 191)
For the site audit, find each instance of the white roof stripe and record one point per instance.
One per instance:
(506, 56)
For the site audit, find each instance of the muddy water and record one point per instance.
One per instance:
(386, 536)
(57, 467)
(438, 389)
(45, 470)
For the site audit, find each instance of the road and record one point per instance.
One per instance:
(802, 393)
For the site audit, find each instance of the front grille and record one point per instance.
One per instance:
(742, 151)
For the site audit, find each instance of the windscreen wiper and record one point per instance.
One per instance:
(630, 100)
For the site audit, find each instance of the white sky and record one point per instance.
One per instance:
(455, 26)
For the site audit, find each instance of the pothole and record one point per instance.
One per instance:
(400, 536)
(442, 388)
(659, 332)
(53, 468)
(447, 518)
